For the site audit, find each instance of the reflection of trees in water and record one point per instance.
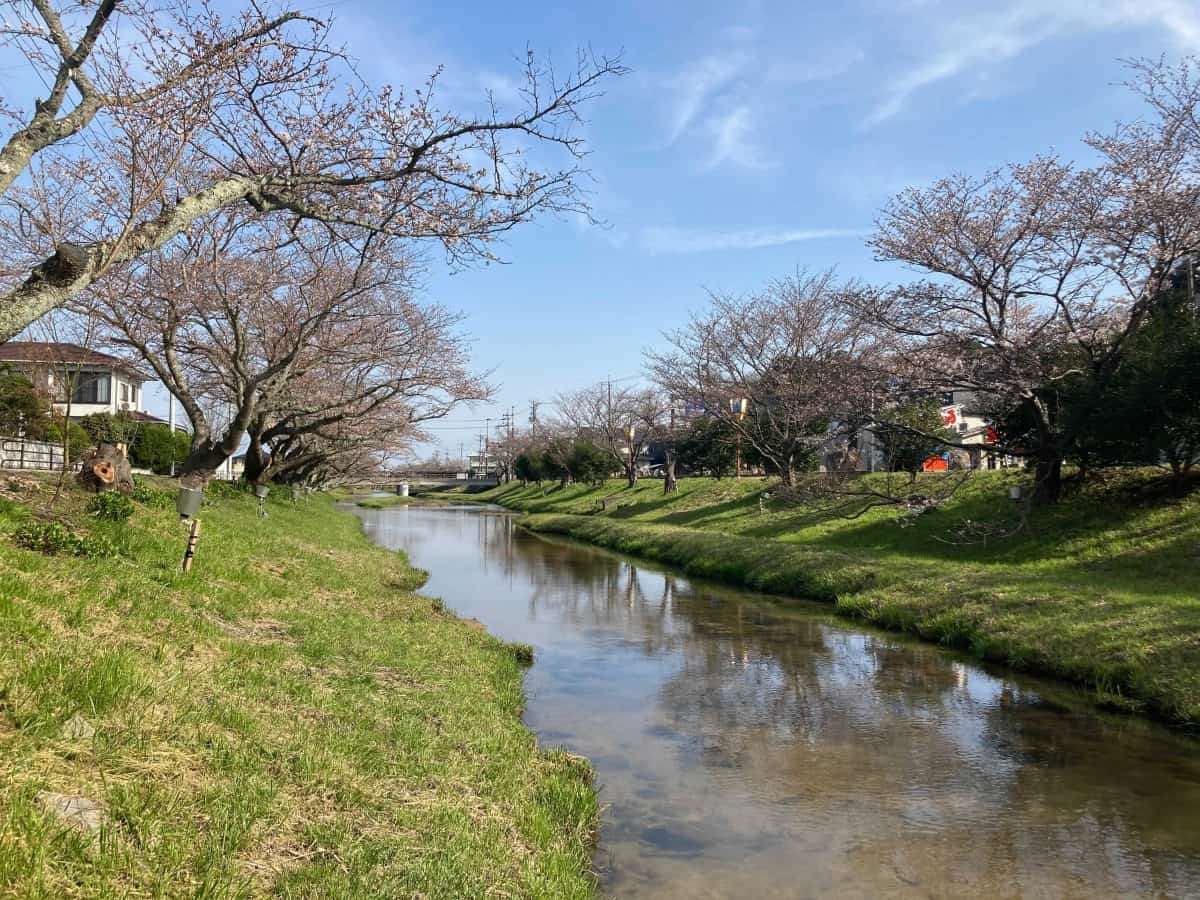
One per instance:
(966, 776)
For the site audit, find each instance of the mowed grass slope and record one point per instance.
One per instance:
(290, 719)
(1102, 590)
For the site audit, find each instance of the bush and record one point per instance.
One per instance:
(54, 539)
(155, 447)
(106, 428)
(21, 406)
(111, 506)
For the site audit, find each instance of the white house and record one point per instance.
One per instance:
(101, 383)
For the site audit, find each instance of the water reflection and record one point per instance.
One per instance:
(754, 751)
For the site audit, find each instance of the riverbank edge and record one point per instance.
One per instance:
(242, 688)
(863, 590)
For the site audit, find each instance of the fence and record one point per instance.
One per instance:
(16, 453)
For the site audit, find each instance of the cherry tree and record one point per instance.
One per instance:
(621, 420)
(1039, 273)
(783, 369)
(374, 376)
(183, 115)
(234, 314)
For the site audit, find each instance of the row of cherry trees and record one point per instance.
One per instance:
(1028, 281)
(237, 206)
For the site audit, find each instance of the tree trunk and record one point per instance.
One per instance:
(787, 472)
(257, 463)
(106, 468)
(201, 465)
(670, 483)
(1048, 459)
(1047, 478)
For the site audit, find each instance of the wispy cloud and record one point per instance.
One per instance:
(667, 239)
(957, 44)
(695, 87)
(735, 140)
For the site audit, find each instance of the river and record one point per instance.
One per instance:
(745, 748)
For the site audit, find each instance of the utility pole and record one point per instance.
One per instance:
(533, 420)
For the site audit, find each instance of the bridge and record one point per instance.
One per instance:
(426, 479)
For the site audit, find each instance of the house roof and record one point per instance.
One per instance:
(66, 355)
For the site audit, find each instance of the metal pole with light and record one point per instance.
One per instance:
(187, 504)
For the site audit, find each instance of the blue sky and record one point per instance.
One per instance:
(749, 139)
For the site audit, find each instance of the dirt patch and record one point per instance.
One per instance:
(259, 631)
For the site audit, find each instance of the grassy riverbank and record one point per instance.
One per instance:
(290, 719)
(1103, 590)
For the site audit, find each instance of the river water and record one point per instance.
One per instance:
(749, 749)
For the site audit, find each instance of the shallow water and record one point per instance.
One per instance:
(748, 749)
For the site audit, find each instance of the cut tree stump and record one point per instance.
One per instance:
(106, 468)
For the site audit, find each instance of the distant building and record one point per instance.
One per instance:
(482, 465)
(100, 383)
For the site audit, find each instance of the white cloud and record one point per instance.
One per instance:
(959, 44)
(733, 140)
(666, 239)
(695, 87)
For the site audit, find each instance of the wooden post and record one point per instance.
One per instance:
(193, 538)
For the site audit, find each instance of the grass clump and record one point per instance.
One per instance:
(1102, 590)
(289, 719)
(55, 539)
(157, 498)
(111, 506)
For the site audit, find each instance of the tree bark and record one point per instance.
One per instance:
(106, 468)
(201, 465)
(72, 268)
(670, 482)
(257, 463)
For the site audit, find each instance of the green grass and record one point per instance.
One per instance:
(385, 502)
(1102, 590)
(290, 719)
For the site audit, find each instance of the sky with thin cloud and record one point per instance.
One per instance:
(749, 139)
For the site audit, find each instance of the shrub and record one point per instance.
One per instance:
(155, 447)
(54, 539)
(111, 506)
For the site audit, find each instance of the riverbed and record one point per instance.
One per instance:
(750, 748)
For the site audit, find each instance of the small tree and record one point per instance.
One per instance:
(589, 463)
(22, 406)
(530, 466)
(1148, 413)
(156, 447)
(911, 435)
(707, 447)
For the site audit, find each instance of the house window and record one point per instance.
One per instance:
(124, 392)
(948, 398)
(92, 387)
(962, 427)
